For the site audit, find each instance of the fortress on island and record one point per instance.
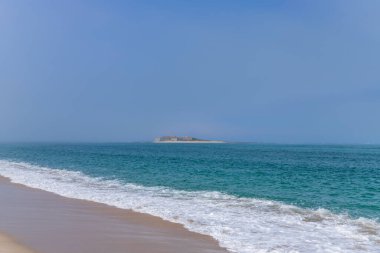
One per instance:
(184, 139)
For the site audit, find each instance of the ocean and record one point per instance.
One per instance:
(249, 197)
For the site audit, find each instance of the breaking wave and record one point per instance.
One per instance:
(243, 225)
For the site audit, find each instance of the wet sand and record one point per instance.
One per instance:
(47, 223)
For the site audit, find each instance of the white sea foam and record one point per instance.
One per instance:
(244, 225)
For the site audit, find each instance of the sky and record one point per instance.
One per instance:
(274, 71)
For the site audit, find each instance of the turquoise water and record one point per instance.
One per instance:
(344, 180)
(340, 178)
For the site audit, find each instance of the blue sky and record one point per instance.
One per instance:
(266, 71)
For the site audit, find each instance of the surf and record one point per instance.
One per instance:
(242, 225)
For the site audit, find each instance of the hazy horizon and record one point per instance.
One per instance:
(292, 72)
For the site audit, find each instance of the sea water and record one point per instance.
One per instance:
(249, 197)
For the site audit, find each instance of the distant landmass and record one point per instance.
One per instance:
(184, 139)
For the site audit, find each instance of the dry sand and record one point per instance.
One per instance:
(48, 223)
(8, 245)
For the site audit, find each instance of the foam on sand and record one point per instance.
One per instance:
(239, 224)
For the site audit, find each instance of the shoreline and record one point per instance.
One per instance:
(46, 222)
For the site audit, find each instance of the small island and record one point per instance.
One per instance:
(184, 139)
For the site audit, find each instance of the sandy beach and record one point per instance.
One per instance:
(9, 245)
(37, 221)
